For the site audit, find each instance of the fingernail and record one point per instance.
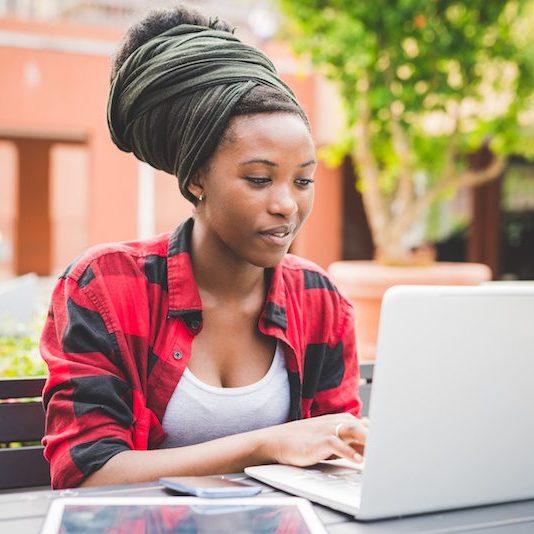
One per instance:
(357, 458)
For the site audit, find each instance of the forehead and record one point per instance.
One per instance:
(269, 132)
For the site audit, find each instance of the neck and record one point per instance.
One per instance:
(218, 271)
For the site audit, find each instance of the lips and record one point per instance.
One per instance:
(278, 235)
(279, 231)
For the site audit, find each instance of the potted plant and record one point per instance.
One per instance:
(423, 84)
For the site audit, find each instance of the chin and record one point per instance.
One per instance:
(267, 262)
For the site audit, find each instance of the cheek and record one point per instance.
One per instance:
(232, 208)
(306, 205)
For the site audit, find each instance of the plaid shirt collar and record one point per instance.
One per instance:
(184, 298)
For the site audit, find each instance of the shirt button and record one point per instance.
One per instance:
(177, 355)
(194, 324)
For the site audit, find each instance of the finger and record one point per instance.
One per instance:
(364, 421)
(349, 418)
(354, 431)
(358, 458)
(342, 449)
(358, 447)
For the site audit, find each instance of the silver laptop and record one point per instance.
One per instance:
(451, 411)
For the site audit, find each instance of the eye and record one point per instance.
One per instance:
(257, 180)
(304, 182)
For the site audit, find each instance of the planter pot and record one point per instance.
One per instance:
(365, 282)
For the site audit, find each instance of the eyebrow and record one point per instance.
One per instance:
(273, 164)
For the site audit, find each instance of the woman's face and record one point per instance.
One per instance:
(258, 188)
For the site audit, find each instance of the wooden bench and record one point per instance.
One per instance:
(22, 421)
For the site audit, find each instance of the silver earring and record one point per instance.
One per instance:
(201, 197)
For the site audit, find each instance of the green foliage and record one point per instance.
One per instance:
(450, 73)
(19, 351)
(421, 55)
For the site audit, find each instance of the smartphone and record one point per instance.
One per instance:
(210, 487)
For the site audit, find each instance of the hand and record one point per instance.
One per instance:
(308, 441)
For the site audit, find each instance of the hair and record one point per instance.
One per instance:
(260, 99)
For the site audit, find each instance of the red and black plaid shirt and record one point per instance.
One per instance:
(118, 338)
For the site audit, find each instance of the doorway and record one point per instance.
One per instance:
(47, 180)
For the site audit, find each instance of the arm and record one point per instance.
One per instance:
(87, 397)
(303, 442)
(230, 454)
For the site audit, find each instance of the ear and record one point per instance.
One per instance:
(196, 187)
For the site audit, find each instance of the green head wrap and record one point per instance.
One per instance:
(199, 75)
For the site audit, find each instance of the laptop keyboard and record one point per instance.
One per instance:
(347, 478)
(331, 483)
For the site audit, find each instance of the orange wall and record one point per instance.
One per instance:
(170, 205)
(45, 92)
(69, 203)
(320, 238)
(63, 94)
(8, 208)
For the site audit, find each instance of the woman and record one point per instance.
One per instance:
(210, 349)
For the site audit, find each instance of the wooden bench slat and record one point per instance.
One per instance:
(15, 388)
(23, 467)
(23, 421)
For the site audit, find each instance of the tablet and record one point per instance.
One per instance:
(191, 515)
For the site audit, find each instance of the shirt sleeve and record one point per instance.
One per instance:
(337, 385)
(87, 398)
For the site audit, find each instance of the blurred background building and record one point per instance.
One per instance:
(64, 186)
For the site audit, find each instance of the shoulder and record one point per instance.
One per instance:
(309, 274)
(314, 288)
(300, 267)
(124, 258)
(317, 311)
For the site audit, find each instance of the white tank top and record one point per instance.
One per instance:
(198, 412)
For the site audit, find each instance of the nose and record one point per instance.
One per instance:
(282, 201)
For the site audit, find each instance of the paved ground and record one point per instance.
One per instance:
(46, 286)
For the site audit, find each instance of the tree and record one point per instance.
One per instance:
(423, 83)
